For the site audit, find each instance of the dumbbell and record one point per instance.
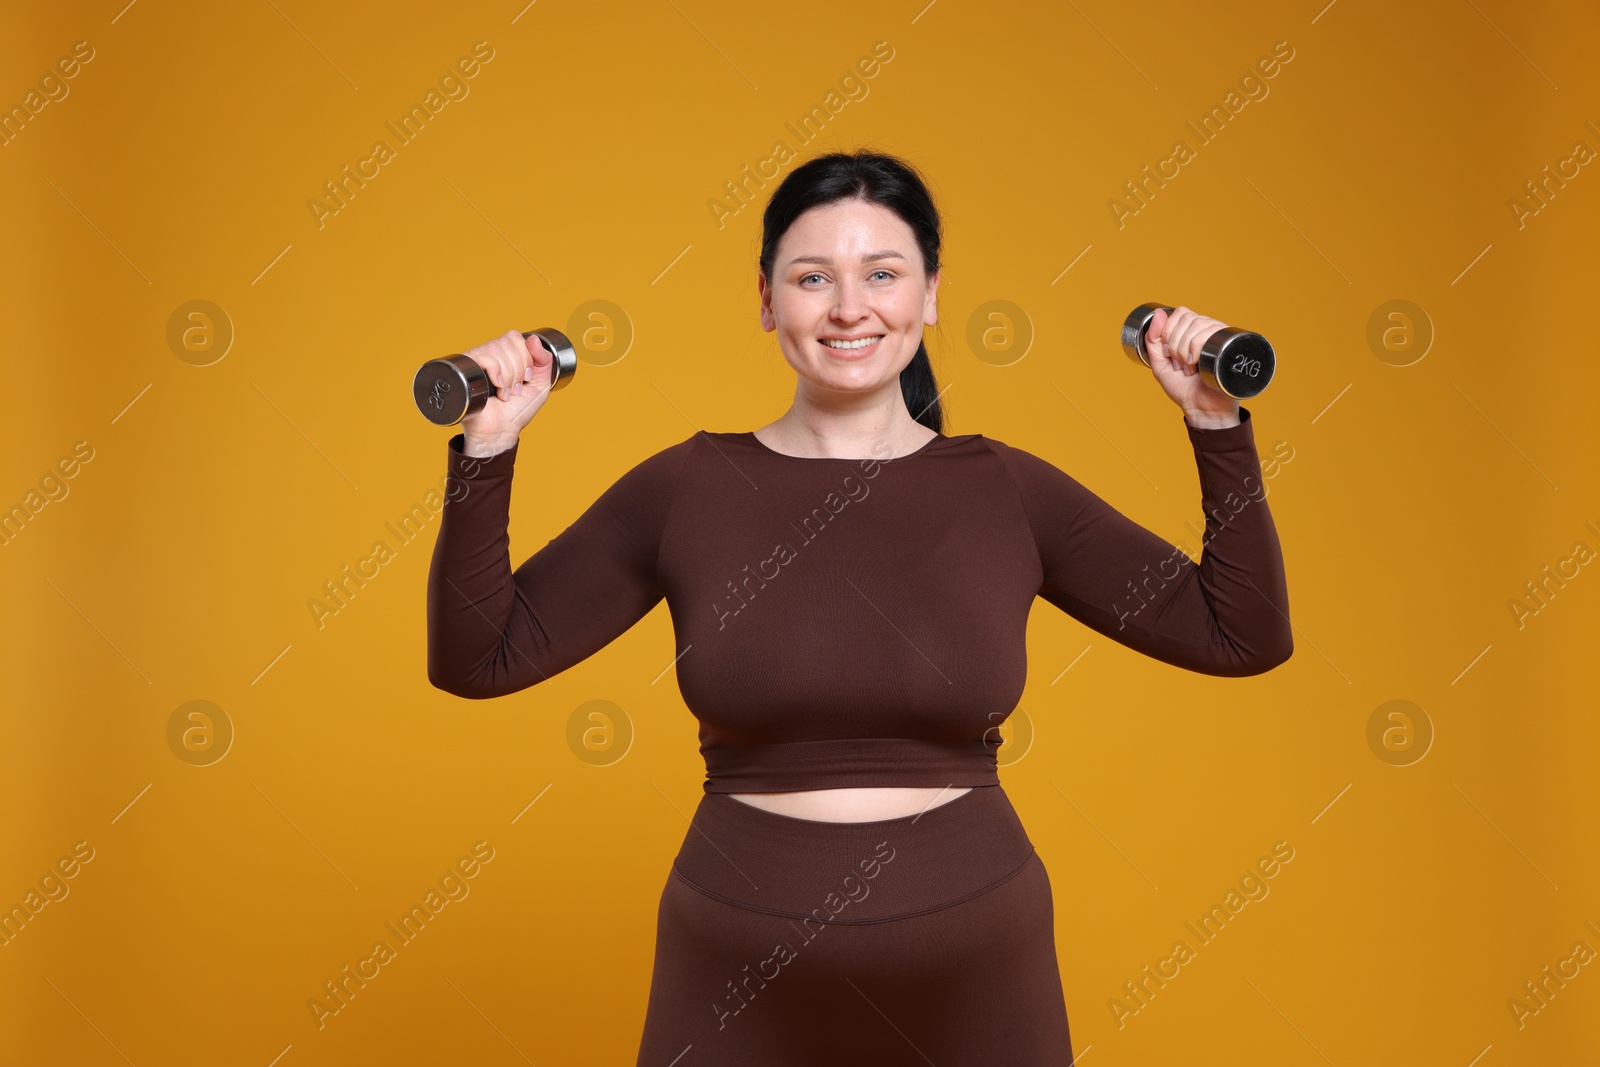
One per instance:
(1232, 361)
(449, 389)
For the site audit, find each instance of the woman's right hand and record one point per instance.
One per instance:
(519, 368)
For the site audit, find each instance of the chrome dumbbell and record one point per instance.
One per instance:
(449, 389)
(1232, 361)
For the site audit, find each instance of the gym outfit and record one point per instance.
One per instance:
(853, 622)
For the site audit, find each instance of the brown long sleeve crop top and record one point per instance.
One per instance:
(851, 622)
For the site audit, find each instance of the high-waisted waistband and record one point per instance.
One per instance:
(838, 763)
(853, 872)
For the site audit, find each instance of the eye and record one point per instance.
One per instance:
(888, 275)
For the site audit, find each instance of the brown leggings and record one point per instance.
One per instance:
(927, 938)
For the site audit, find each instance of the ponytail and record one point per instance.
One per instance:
(921, 391)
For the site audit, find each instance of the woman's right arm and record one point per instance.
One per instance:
(492, 631)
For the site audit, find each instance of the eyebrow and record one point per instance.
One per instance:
(868, 258)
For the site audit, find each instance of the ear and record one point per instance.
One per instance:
(930, 304)
(768, 322)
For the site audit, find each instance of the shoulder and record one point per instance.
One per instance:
(676, 454)
(668, 458)
(1023, 464)
(1047, 493)
(653, 480)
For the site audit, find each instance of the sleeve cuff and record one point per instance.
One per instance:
(475, 468)
(1228, 439)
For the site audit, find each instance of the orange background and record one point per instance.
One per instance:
(1381, 165)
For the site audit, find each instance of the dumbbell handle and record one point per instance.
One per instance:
(449, 389)
(1236, 362)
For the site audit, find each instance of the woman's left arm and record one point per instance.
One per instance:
(1228, 614)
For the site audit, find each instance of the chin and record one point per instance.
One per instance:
(850, 384)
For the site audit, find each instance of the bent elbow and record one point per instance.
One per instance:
(1273, 655)
(467, 692)
(448, 684)
(483, 685)
(458, 685)
(1244, 660)
(454, 670)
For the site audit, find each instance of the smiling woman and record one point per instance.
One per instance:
(847, 284)
(848, 280)
(854, 707)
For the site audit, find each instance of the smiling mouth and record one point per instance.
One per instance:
(857, 345)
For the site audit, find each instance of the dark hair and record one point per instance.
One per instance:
(877, 179)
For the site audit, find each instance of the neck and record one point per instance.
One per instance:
(853, 426)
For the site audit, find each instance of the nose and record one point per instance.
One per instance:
(848, 305)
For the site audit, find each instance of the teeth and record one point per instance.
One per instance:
(852, 344)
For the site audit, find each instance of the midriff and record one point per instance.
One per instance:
(853, 804)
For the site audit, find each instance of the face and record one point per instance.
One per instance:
(848, 270)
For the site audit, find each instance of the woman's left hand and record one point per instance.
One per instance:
(1173, 344)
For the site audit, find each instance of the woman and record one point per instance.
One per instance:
(850, 589)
